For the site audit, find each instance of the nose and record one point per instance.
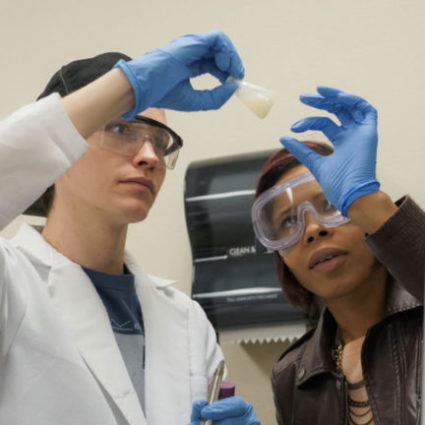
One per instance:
(313, 230)
(146, 155)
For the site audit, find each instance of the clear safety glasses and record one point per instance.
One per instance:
(128, 137)
(278, 213)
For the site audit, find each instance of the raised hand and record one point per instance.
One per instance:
(350, 171)
(161, 77)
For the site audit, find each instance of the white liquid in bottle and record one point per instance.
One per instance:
(259, 103)
(258, 99)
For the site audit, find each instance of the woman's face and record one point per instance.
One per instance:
(330, 262)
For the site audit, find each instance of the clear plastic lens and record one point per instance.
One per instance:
(128, 137)
(278, 214)
(258, 99)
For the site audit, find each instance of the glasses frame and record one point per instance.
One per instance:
(282, 244)
(177, 142)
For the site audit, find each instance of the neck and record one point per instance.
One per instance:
(357, 312)
(86, 237)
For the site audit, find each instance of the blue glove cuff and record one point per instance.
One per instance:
(132, 79)
(355, 192)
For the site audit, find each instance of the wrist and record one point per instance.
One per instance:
(123, 92)
(92, 106)
(126, 72)
(371, 211)
(355, 192)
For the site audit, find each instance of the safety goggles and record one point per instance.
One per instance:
(128, 137)
(278, 213)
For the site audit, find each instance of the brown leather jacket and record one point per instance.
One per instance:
(308, 391)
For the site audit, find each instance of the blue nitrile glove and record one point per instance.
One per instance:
(160, 78)
(350, 171)
(228, 411)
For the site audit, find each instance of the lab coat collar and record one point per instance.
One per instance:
(133, 266)
(30, 240)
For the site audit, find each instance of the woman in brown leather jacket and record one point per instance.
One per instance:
(346, 244)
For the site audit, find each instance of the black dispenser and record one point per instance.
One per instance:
(234, 277)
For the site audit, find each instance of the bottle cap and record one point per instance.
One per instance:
(227, 389)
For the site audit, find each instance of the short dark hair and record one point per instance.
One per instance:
(276, 166)
(66, 80)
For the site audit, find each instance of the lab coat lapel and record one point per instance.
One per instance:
(167, 376)
(85, 317)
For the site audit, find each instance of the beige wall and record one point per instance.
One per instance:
(374, 48)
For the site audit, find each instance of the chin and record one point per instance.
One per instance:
(340, 291)
(135, 216)
(132, 213)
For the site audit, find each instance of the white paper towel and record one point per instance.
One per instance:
(264, 334)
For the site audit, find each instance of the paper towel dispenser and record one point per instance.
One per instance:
(234, 277)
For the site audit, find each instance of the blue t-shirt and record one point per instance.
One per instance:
(118, 293)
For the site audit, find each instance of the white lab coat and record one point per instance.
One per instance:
(59, 360)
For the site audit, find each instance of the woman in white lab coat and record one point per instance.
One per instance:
(59, 359)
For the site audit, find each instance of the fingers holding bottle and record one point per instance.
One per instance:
(161, 77)
(210, 52)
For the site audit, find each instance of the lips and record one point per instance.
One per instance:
(324, 255)
(142, 181)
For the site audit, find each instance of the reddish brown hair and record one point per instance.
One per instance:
(276, 166)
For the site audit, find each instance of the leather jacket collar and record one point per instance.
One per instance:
(317, 357)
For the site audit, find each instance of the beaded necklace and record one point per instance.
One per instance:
(357, 410)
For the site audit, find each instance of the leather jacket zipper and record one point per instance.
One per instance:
(341, 386)
(419, 383)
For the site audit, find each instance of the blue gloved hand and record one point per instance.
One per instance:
(350, 171)
(160, 78)
(228, 411)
